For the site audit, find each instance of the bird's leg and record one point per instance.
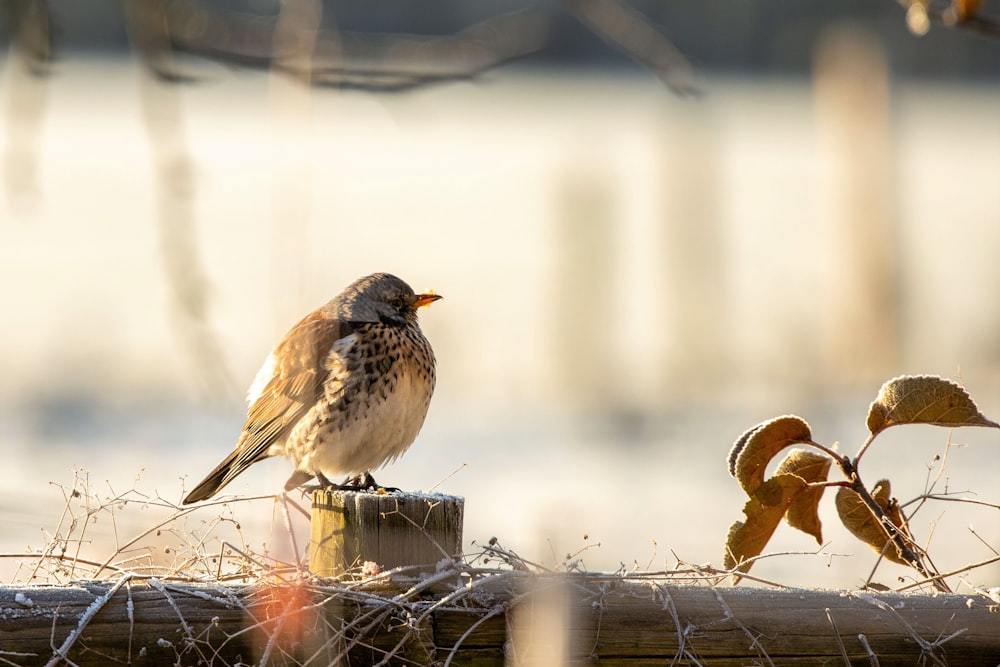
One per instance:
(325, 483)
(321, 483)
(364, 482)
(368, 483)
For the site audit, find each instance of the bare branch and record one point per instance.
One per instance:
(633, 35)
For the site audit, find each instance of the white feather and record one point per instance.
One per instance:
(264, 375)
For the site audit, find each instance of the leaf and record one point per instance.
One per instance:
(754, 449)
(858, 519)
(738, 446)
(812, 467)
(763, 514)
(924, 399)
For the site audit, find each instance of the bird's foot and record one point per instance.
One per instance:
(363, 482)
(324, 483)
(366, 482)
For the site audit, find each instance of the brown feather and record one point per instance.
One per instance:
(296, 385)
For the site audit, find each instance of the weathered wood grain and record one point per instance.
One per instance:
(610, 620)
(415, 529)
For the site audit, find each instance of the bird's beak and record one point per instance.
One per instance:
(425, 299)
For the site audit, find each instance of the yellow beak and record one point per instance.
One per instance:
(425, 299)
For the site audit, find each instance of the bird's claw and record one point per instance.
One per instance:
(366, 482)
(356, 483)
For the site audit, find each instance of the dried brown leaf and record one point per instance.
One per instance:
(738, 446)
(858, 519)
(813, 468)
(924, 399)
(763, 511)
(754, 449)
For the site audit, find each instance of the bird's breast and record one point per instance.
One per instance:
(378, 387)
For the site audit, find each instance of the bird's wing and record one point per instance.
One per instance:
(286, 388)
(296, 383)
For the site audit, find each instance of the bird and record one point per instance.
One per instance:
(344, 392)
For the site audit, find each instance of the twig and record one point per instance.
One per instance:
(840, 640)
(872, 656)
(141, 535)
(754, 641)
(41, 556)
(448, 476)
(861, 452)
(743, 575)
(951, 499)
(668, 604)
(633, 34)
(966, 568)
(895, 535)
(282, 500)
(984, 542)
(500, 608)
(130, 609)
(155, 583)
(60, 653)
(272, 639)
(926, 647)
(832, 453)
(53, 541)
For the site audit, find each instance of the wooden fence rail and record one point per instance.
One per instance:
(606, 619)
(450, 613)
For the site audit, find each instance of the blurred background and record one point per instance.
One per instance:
(654, 224)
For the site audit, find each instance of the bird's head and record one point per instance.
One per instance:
(383, 297)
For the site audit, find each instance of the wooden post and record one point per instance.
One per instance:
(350, 528)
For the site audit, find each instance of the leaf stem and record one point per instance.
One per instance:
(892, 531)
(826, 450)
(864, 448)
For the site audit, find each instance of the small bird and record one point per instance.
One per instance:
(344, 392)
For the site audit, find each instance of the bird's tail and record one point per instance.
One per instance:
(218, 478)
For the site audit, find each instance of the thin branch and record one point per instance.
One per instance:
(872, 656)
(840, 640)
(951, 499)
(925, 646)
(363, 61)
(632, 33)
(864, 447)
(61, 653)
(966, 568)
(907, 549)
(832, 453)
(497, 609)
(730, 616)
(983, 541)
